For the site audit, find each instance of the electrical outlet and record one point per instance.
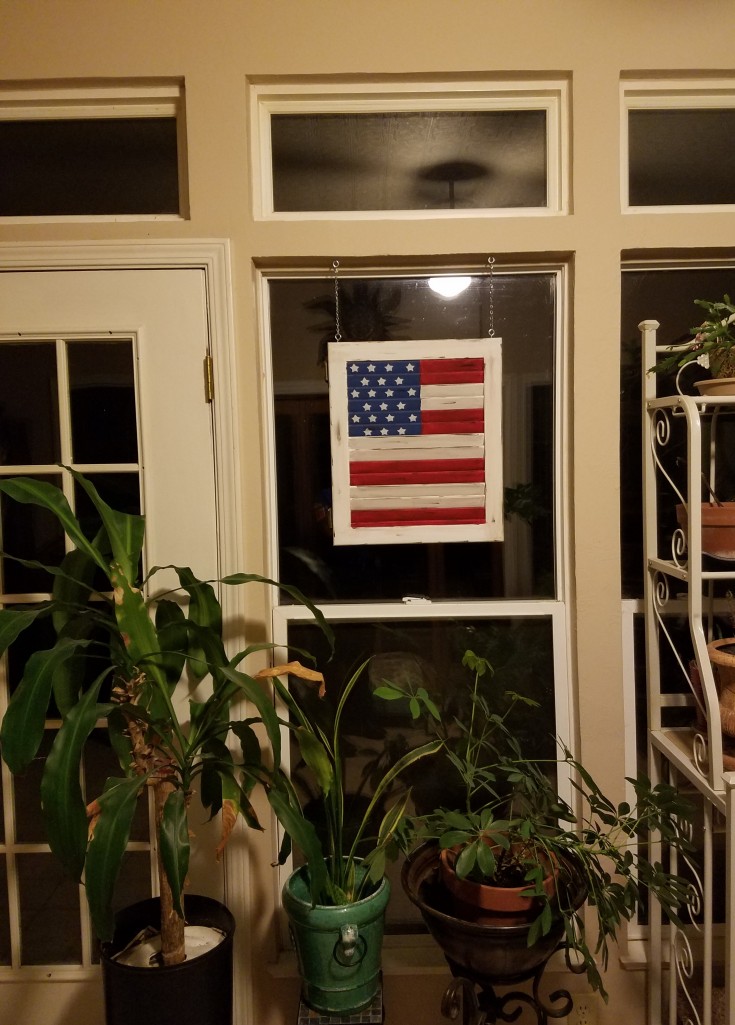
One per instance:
(584, 1011)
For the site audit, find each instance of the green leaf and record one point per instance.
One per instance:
(125, 531)
(486, 861)
(204, 611)
(259, 697)
(14, 621)
(173, 838)
(72, 586)
(304, 835)
(466, 860)
(293, 592)
(23, 724)
(172, 639)
(107, 849)
(388, 693)
(61, 795)
(316, 757)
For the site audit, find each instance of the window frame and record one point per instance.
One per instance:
(552, 95)
(669, 94)
(151, 98)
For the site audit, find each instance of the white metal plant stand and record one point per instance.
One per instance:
(692, 969)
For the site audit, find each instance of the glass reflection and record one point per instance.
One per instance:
(29, 404)
(49, 907)
(102, 398)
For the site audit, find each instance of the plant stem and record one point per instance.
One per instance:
(173, 950)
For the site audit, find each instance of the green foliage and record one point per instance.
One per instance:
(713, 338)
(333, 860)
(147, 650)
(514, 826)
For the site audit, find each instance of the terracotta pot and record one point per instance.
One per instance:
(716, 386)
(485, 902)
(718, 528)
(723, 669)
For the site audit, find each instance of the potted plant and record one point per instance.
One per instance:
(513, 829)
(336, 900)
(711, 346)
(128, 656)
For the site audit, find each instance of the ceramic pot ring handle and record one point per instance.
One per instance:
(348, 945)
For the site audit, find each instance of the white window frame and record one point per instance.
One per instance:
(108, 99)
(669, 94)
(556, 609)
(407, 96)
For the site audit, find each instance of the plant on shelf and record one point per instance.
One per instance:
(514, 830)
(131, 657)
(711, 345)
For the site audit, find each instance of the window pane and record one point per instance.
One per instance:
(668, 297)
(28, 532)
(89, 166)
(49, 911)
(406, 308)
(681, 157)
(409, 160)
(29, 403)
(102, 389)
(30, 826)
(425, 654)
(4, 913)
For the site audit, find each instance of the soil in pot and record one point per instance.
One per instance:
(191, 993)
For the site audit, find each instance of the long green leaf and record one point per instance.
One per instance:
(293, 592)
(253, 692)
(107, 849)
(38, 492)
(304, 835)
(14, 621)
(23, 724)
(172, 639)
(174, 844)
(61, 795)
(205, 611)
(72, 586)
(125, 531)
(316, 757)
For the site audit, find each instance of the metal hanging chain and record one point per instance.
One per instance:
(337, 331)
(491, 277)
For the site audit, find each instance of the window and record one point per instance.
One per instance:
(417, 607)
(677, 139)
(466, 147)
(107, 151)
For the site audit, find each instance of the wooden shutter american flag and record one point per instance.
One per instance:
(416, 441)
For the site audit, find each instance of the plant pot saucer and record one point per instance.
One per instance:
(716, 386)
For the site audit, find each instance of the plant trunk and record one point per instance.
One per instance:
(173, 950)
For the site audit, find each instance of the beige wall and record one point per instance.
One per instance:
(216, 45)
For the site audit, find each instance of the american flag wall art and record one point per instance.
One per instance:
(416, 441)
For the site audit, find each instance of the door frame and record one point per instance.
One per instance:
(212, 257)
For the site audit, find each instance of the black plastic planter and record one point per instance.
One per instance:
(190, 993)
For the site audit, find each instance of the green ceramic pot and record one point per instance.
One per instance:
(338, 948)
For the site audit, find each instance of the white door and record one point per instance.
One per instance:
(103, 370)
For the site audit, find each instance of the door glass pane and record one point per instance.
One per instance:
(102, 393)
(4, 915)
(29, 821)
(419, 160)
(679, 157)
(28, 532)
(302, 319)
(29, 406)
(49, 902)
(89, 166)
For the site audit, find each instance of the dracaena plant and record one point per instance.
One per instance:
(347, 857)
(512, 828)
(129, 657)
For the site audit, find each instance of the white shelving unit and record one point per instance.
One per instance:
(692, 969)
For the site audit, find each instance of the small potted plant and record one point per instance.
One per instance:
(127, 656)
(513, 829)
(336, 900)
(711, 346)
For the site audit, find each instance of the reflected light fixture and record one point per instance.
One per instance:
(449, 286)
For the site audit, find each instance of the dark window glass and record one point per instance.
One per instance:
(668, 297)
(407, 308)
(89, 166)
(5, 957)
(49, 909)
(28, 532)
(409, 160)
(102, 390)
(29, 403)
(681, 157)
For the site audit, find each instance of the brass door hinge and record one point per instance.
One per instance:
(208, 379)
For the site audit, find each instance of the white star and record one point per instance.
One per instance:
(367, 431)
(371, 393)
(399, 380)
(365, 381)
(371, 368)
(388, 392)
(401, 430)
(372, 418)
(381, 380)
(409, 367)
(355, 393)
(411, 391)
(383, 406)
(355, 418)
(413, 417)
(388, 367)
(401, 405)
(367, 406)
(384, 430)
(354, 368)
(390, 418)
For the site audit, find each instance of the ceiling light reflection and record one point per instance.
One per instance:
(449, 286)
